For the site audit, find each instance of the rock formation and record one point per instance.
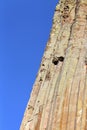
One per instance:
(59, 97)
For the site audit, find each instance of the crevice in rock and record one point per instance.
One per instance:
(48, 76)
(55, 60)
(61, 58)
(41, 79)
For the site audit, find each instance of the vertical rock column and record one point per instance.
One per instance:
(59, 96)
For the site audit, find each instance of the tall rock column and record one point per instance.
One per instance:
(59, 96)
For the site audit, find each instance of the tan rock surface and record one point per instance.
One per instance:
(59, 97)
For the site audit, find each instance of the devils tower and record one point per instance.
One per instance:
(58, 99)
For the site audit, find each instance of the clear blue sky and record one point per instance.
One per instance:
(24, 30)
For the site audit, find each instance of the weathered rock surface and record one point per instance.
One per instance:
(59, 97)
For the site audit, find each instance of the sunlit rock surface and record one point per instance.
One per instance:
(59, 97)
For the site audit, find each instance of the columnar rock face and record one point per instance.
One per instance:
(59, 97)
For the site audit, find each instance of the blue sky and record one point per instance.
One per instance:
(24, 30)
